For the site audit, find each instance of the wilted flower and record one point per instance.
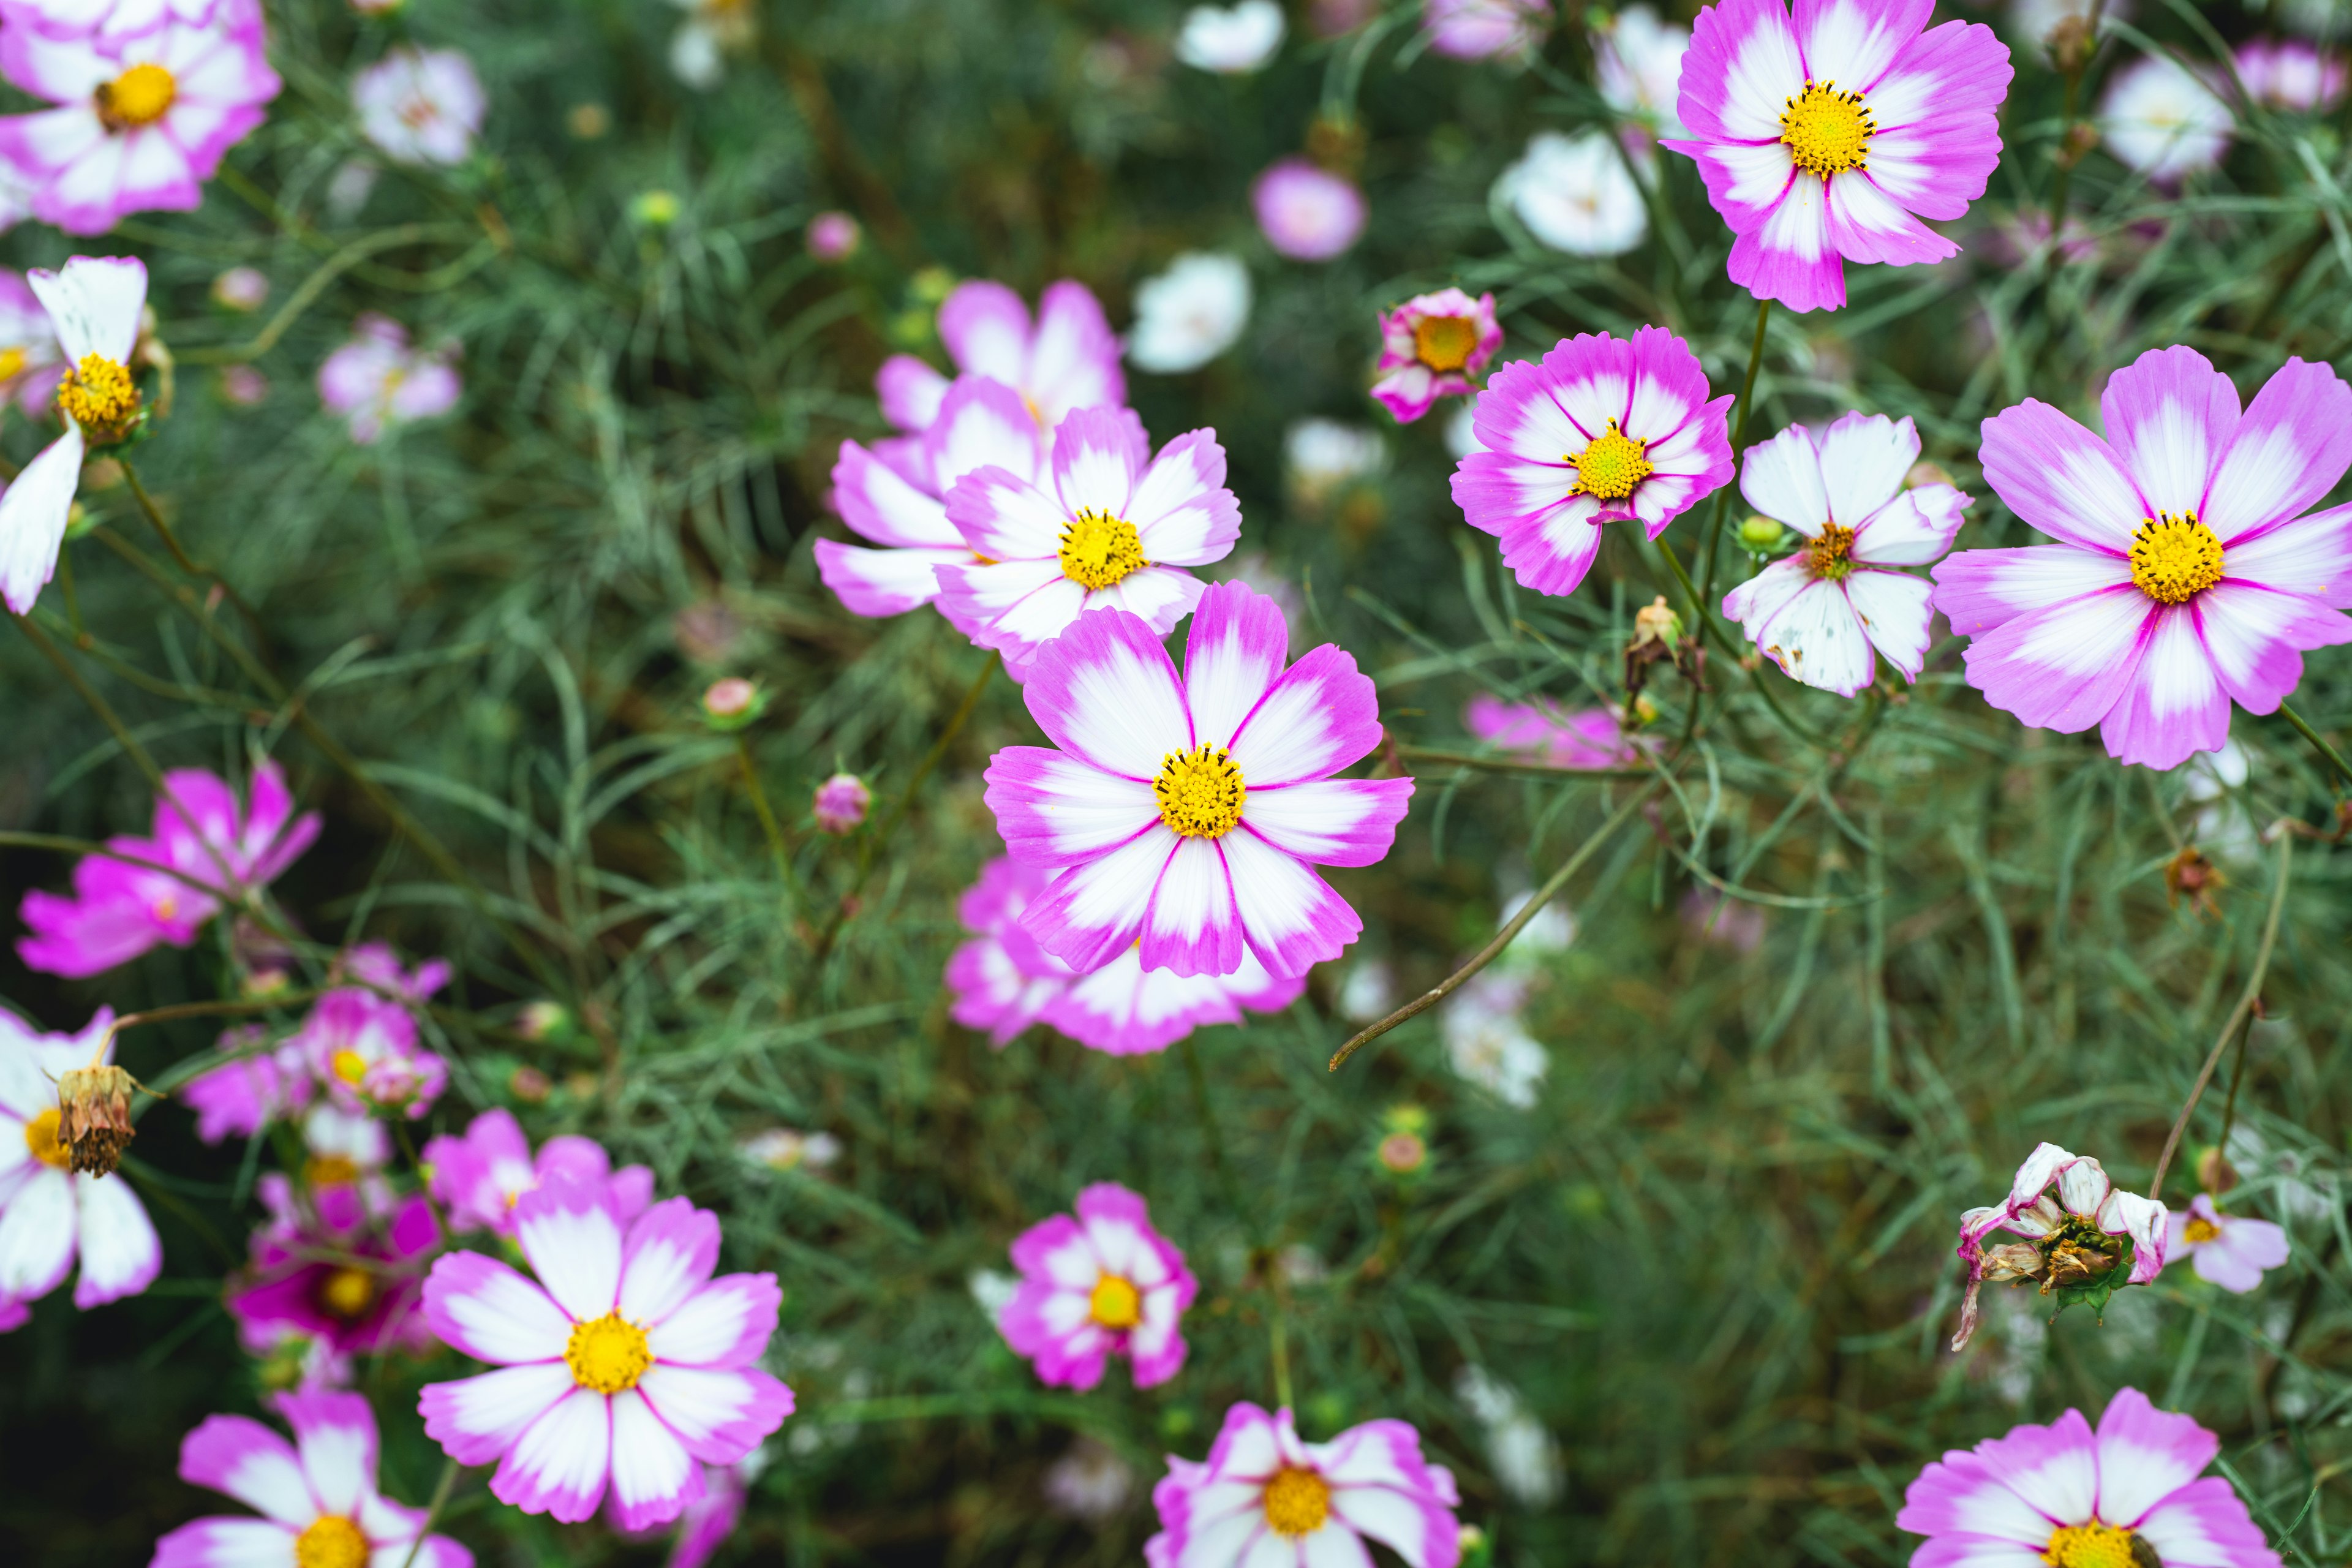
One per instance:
(1575, 195)
(241, 289)
(1102, 1284)
(2228, 1251)
(2189, 875)
(1189, 314)
(1433, 346)
(94, 1118)
(2161, 119)
(2290, 74)
(376, 381)
(420, 106)
(840, 803)
(834, 236)
(1233, 39)
(1479, 29)
(1306, 213)
(2081, 1232)
(1485, 1042)
(50, 1210)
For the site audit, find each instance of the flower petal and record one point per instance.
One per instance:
(241, 1458)
(561, 1462)
(670, 1252)
(1291, 918)
(1055, 809)
(2170, 414)
(721, 1414)
(653, 1477)
(1092, 910)
(2294, 444)
(726, 1323)
(478, 1305)
(478, 1419)
(2144, 1455)
(2061, 478)
(1320, 716)
(1332, 821)
(1106, 692)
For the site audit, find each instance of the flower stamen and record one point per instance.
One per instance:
(608, 1353)
(1114, 1303)
(1297, 1502)
(1444, 342)
(1827, 132)
(1612, 466)
(139, 96)
(1098, 550)
(1200, 792)
(41, 1137)
(100, 396)
(1830, 555)
(2098, 1545)
(2174, 559)
(331, 1542)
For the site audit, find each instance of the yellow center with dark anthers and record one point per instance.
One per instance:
(1297, 1502)
(1200, 792)
(99, 396)
(2097, 1545)
(2174, 559)
(139, 96)
(41, 1137)
(1830, 555)
(1827, 132)
(1099, 550)
(1444, 342)
(1612, 466)
(345, 1293)
(331, 1542)
(2200, 1229)
(608, 1353)
(1114, 1303)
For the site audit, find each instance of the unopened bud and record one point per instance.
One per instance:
(241, 289)
(530, 1086)
(732, 702)
(1644, 710)
(2214, 1172)
(653, 209)
(841, 802)
(1924, 473)
(1403, 1154)
(833, 237)
(94, 1118)
(543, 1021)
(933, 284)
(1759, 533)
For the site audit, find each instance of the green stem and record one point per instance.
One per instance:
(1513, 764)
(433, 1511)
(760, 805)
(171, 543)
(2343, 770)
(1212, 1135)
(1739, 453)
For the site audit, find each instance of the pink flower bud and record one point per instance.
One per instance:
(240, 289)
(834, 236)
(730, 697)
(841, 802)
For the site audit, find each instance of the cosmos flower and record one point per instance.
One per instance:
(1819, 613)
(840, 803)
(377, 382)
(1481, 30)
(1576, 195)
(712, 30)
(2229, 1250)
(2185, 575)
(1306, 212)
(621, 1367)
(1486, 1043)
(239, 1098)
(481, 1176)
(2163, 121)
(1433, 346)
(2126, 1493)
(1589, 738)
(50, 1214)
(118, 910)
(1831, 137)
(364, 1049)
(1090, 1482)
(421, 106)
(1637, 63)
(1599, 430)
(2291, 74)
(1104, 526)
(1262, 1496)
(1189, 314)
(1102, 1284)
(1189, 812)
(30, 368)
(1523, 1455)
(1003, 982)
(317, 1497)
(341, 1265)
(790, 1149)
(1067, 358)
(1234, 40)
(708, 1522)
(834, 236)
(143, 118)
(2077, 1224)
(111, 20)
(1322, 457)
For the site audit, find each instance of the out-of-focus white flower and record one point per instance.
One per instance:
(1090, 1482)
(1189, 314)
(993, 1289)
(712, 30)
(1637, 62)
(420, 106)
(349, 187)
(1575, 193)
(1253, 567)
(1323, 457)
(2222, 827)
(1368, 993)
(1485, 1042)
(2160, 120)
(2034, 20)
(1525, 1456)
(1231, 40)
(2318, 18)
(241, 289)
(788, 1149)
(1551, 929)
(1462, 431)
(2301, 1191)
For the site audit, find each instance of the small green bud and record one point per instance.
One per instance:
(732, 702)
(653, 209)
(1760, 533)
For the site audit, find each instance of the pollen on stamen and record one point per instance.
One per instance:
(2174, 559)
(1612, 466)
(1827, 132)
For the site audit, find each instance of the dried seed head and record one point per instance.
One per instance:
(94, 1118)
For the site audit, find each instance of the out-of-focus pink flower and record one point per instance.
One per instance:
(1330, 18)
(1102, 1284)
(2164, 120)
(363, 1047)
(480, 1178)
(243, 386)
(841, 802)
(120, 910)
(707, 1520)
(2018, 235)
(1481, 30)
(341, 1265)
(239, 1098)
(2228, 1251)
(1727, 923)
(1306, 212)
(2291, 74)
(421, 106)
(834, 236)
(2077, 1224)
(30, 364)
(113, 20)
(1433, 346)
(377, 382)
(1589, 738)
(729, 697)
(1064, 359)
(241, 289)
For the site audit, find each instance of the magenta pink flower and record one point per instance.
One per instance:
(480, 1178)
(1830, 136)
(2228, 1251)
(317, 1497)
(1480, 29)
(376, 381)
(1599, 430)
(1067, 358)
(620, 1368)
(1433, 346)
(2186, 575)
(1101, 1285)
(1004, 981)
(1188, 814)
(1264, 1497)
(143, 118)
(2128, 1494)
(2077, 1224)
(833, 237)
(840, 803)
(364, 1048)
(1589, 738)
(1306, 213)
(118, 910)
(706, 1522)
(340, 1265)
(238, 1099)
(2291, 74)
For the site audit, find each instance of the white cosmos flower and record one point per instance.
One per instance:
(1525, 1456)
(1638, 65)
(1576, 195)
(1190, 313)
(1235, 39)
(421, 106)
(1487, 1045)
(2161, 120)
(1323, 457)
(713, 29)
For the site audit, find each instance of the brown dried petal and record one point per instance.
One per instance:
(94, 1118)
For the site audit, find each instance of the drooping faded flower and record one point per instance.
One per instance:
(481, 1176)
(1433, 346)
(421, 106)
(2162, 120)
(1067, 358)
(1306, 213)
(2232, 1251)
(1826, 139)
(2186, 575)
(379, 382)
(2082, 1233)
(1102, 1284)
(1189, 813)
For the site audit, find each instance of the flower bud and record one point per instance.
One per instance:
(530, 1085)
(2189, 875)
(94, 1118)
(653, 209)
(1402, 1153)
(1760, 533)
(543, 1021)
(834, 236)
(732, 702)
(841, 802)
(2214, 1172)
(241, 289)
(1924, 472)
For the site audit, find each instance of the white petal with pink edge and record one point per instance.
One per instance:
(1318, 718)
(1292, 918)
(121, 1254)
(574, 1247)
(1055, 809)
(1109, 693)
(1783, 479)
(1090, 911)
(1863, 460)
(1191, 927)
(1332, 822)
(2312, 555)
(1895, 610)
(562, 1461)
(479, 1418)
(652, 1472)
(1816, 637)
(2168, 415)
(1913, 529)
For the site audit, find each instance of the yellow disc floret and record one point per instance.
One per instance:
(1114, 1303)
(41, 1137)
(2174, 559)
(139, 96)
(331, 1542)
(345, 1293)
(1830, 555)
(349, 1065)
(1297, 1502)
(1444, 342)
(1099, 550)
(1612, 466)
(99, 396)
(2200, 1229)
(608, 1353)
(1827, 132)
(2096, 1546)
(1200, 792)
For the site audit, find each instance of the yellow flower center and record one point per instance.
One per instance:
(2199, 1228)
(1200, 792)
(1098, 550)
(12, 362)
(100, 396)
(1444, 342)
(1610, 468)
(1297, 1502)
(139, 96)
(2096, 1546)
(345, 1293)
(608, 1354)
(329, 1171)
(349, 1065)
(41, 1137)
(1116, 1303)
(1827, 132)
(1827, 556)
(2174, 559)
(331, 1542)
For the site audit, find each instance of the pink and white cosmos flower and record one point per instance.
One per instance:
(143, 118)
(1599, 430)
(1433, 346)
(1104, 526)
(115, 19)
(1306, 212)
(1189, 813)
(377, 381)
(481, 1176)
(1481, 30)
(1819, 613)
(340, 1266)
(1004, 981)
(2291, 74)
(50, 1214)
(2226, 1250)
(1067, 358)
(1101, 1285)
(620, 1368)
(2066, 1208)
(317, 1496)
(2128, 1492)
(1826, 138)
(1264, 1498)
(421, 106)
(365, 1050)
(1589, 738)
(2186, 575)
